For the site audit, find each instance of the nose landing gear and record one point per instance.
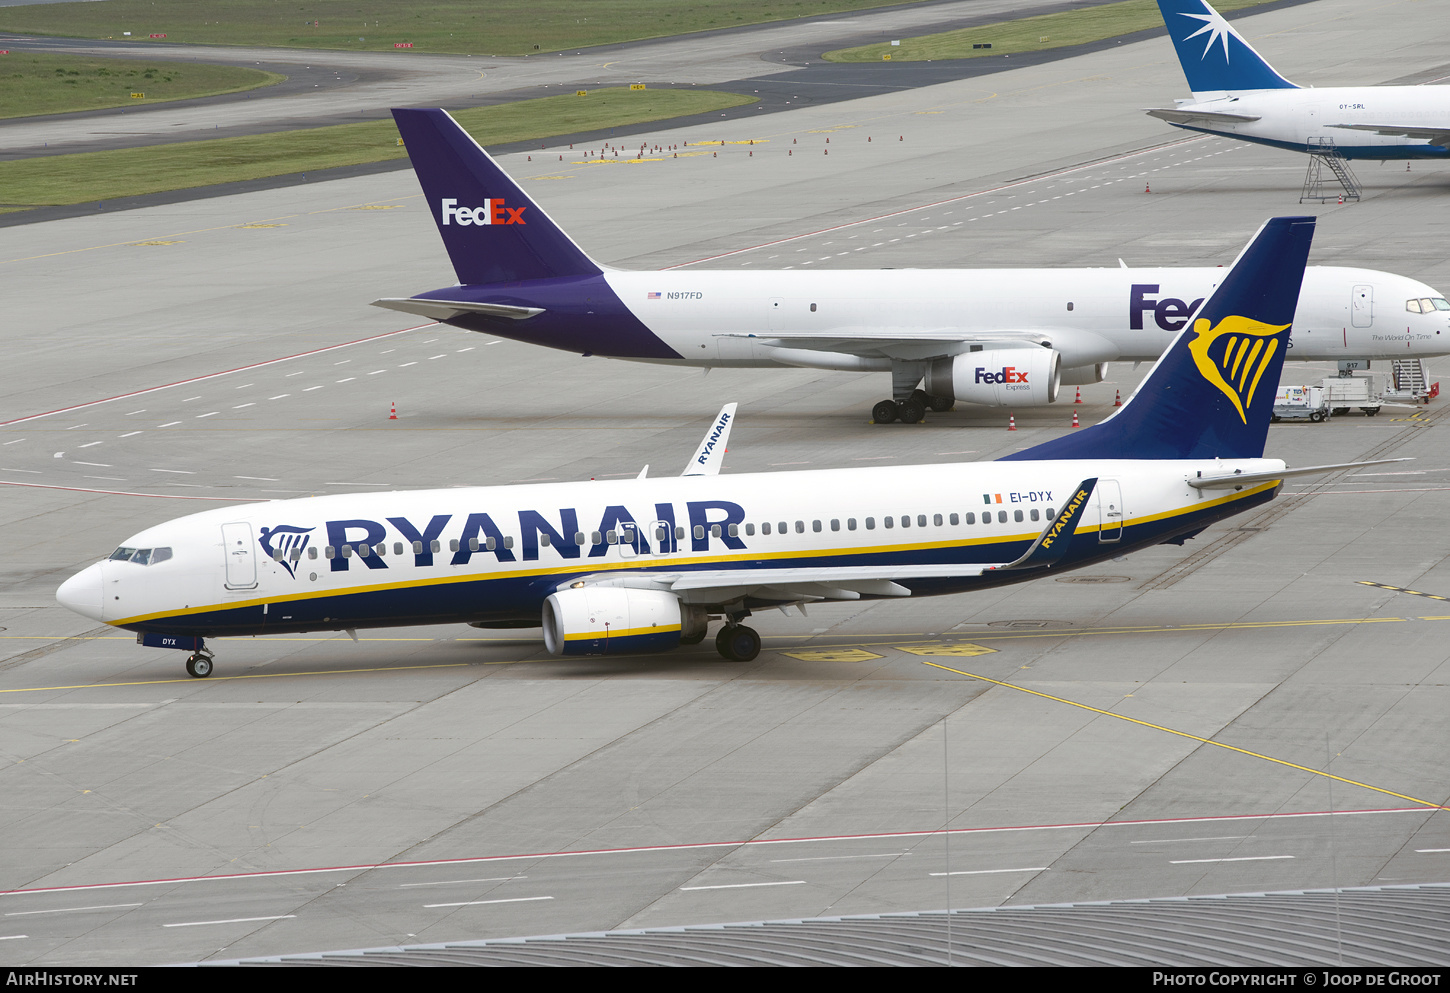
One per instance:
(199, 664)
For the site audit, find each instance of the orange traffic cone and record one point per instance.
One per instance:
(393, 413)
(1079, 395)
(1147, 188)
(1118, 400)
(1074, 420)
(1011, 422)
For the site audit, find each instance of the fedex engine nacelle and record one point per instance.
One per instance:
(611, 620)
(1017, 377)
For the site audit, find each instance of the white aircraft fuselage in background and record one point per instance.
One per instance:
(1237, 94)
(989, 336)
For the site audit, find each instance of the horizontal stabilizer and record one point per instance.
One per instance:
(1238, 480)
(446, 310)
(1200, 117)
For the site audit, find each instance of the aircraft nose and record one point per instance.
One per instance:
(82, 593)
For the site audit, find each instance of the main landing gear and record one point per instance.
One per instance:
(737, 642)
(198, 664)
(910, 410)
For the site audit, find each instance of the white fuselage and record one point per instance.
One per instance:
(714, 318)
(1308, 117)
(217, 576)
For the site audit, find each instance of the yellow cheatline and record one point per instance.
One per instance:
(218, 679)
(1184, 734)
(834, 655)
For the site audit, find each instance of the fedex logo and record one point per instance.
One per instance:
(1170, 314)
(493, 211)
(1009, 374)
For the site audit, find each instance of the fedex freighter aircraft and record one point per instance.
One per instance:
(1238, 95)
(645, 565)
(990, 336)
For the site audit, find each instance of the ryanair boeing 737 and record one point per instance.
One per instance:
(989, 336)
(1239, 95)
(645, 565)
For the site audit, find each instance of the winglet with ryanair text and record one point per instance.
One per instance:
(1052, 544)
(711, 454)
(1212, 392)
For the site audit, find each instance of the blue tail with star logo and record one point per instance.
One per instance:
(1212, 392)
(1215, 57)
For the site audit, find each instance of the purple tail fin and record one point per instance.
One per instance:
(493, 232)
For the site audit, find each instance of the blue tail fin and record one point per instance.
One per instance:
(1211, 394)
(493, 232)
(1214, 56)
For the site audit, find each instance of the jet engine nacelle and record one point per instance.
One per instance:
(611, 620)
(1015, 377)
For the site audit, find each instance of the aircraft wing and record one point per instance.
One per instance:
(1200, 117)
(907, 343)
(445, 310)
(849, 582)
(1435, 136)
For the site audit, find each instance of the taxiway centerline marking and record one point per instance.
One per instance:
(1194, 737)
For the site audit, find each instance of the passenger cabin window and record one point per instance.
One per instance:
(1001, 517)
(1017, 516)
(835, 524)
(850, 524)
(921, 520)
(1050, 514)
(937, 520)
(870, 524)
(955, 520)
(1034, 513)
(889, 522)
(765, 528)
(971, 518)
(816, 526)
(750, 528)
(733, 530)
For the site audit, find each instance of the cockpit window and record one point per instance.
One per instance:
(141, 556)
(1427, 305)
(1440, 303)
(1413, 306)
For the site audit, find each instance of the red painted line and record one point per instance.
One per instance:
(158, 496)
(214, 375)
(940, 203)
(367, 867)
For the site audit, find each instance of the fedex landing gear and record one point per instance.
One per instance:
(910, 410)
(737, 642)
(198, 664)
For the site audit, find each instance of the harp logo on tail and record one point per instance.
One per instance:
(1234, 355)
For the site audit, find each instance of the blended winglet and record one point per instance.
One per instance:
(1052, 544)
(711, 454)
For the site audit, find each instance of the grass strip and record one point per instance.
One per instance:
(34, 83)
(498, 27)
(88, 176)
(1029, 34)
